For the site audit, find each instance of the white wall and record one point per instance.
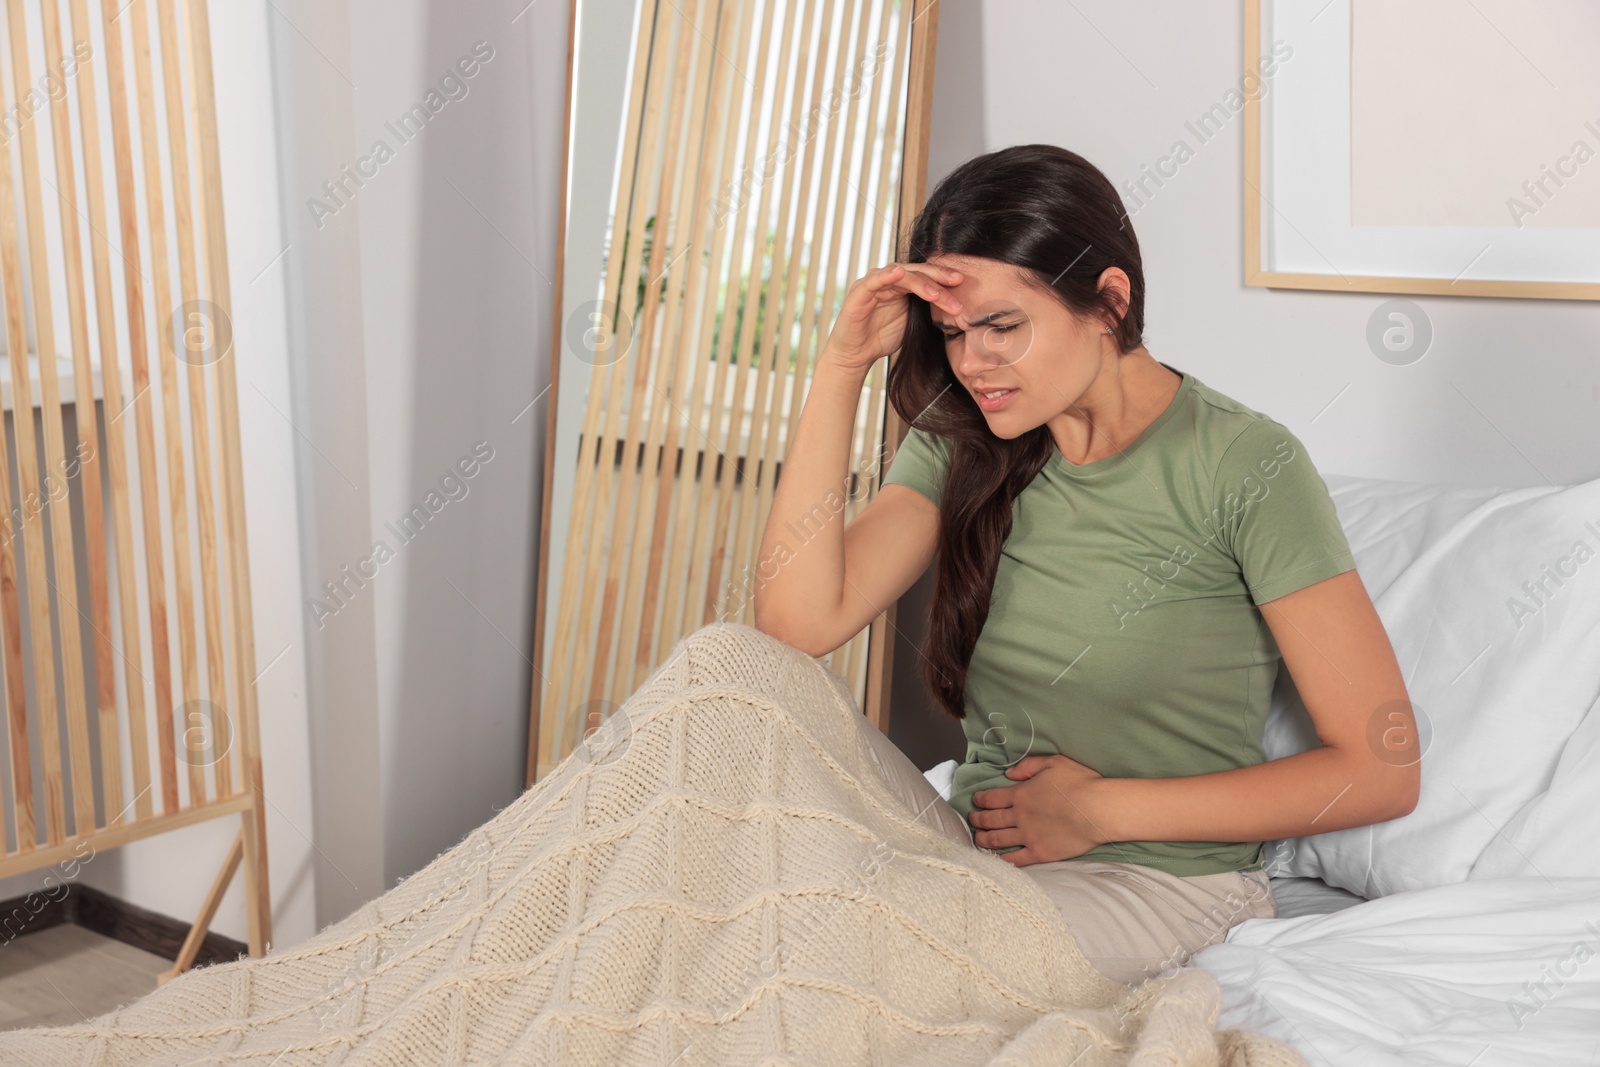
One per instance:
(322, 268)
(1507, 394)
(457, 250)
(425, 325)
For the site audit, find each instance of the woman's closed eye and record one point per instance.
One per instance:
(952, 334)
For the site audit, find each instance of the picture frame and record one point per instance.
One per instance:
(1322, 105)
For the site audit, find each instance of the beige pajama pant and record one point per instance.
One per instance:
(1131, 921)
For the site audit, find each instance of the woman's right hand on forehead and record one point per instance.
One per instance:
(872, 322)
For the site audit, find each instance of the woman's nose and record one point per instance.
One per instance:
(979, 354)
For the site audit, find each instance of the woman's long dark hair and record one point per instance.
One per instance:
(1054, 215)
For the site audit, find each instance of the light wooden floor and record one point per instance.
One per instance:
(66, 974)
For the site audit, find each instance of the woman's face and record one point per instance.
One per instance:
(1010, 336)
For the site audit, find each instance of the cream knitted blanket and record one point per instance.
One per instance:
(719, 875)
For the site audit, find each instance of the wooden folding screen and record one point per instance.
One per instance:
(124, 588)
(749, 198)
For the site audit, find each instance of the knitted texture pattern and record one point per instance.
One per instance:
(717, 875)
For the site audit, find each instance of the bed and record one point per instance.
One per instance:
(1467, 933)
(1492, 972)
(720, 875)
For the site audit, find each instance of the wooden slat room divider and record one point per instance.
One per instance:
(770, 150)
(157, 737)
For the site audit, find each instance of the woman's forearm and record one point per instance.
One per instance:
(1309, 792)
(799, 579)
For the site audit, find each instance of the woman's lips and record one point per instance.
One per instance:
(997, 403)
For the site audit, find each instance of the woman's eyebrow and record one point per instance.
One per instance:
(983, 321)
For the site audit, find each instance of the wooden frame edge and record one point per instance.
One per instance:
(258, 891)
(240, 803)
(1425, 286)
(913, 192)
(542, 582)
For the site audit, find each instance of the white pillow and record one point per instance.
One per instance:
(1491, 598)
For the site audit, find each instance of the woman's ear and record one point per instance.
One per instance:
(1114, 285)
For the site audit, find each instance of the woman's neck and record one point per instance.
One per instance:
(1130, 394)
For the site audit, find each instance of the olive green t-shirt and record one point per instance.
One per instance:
(1124, 630)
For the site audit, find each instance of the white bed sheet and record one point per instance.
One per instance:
(1494, 972)
(1298, 896)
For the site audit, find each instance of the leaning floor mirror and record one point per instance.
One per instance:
(731, 167)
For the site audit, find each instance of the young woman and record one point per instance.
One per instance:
(1124, 558)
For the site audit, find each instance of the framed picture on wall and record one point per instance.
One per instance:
(1424, 146)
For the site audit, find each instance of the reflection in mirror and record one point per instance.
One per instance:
(733, 167)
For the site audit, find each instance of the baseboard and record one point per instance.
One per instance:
(105, 914)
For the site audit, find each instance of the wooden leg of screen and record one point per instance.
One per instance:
(208, 911)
